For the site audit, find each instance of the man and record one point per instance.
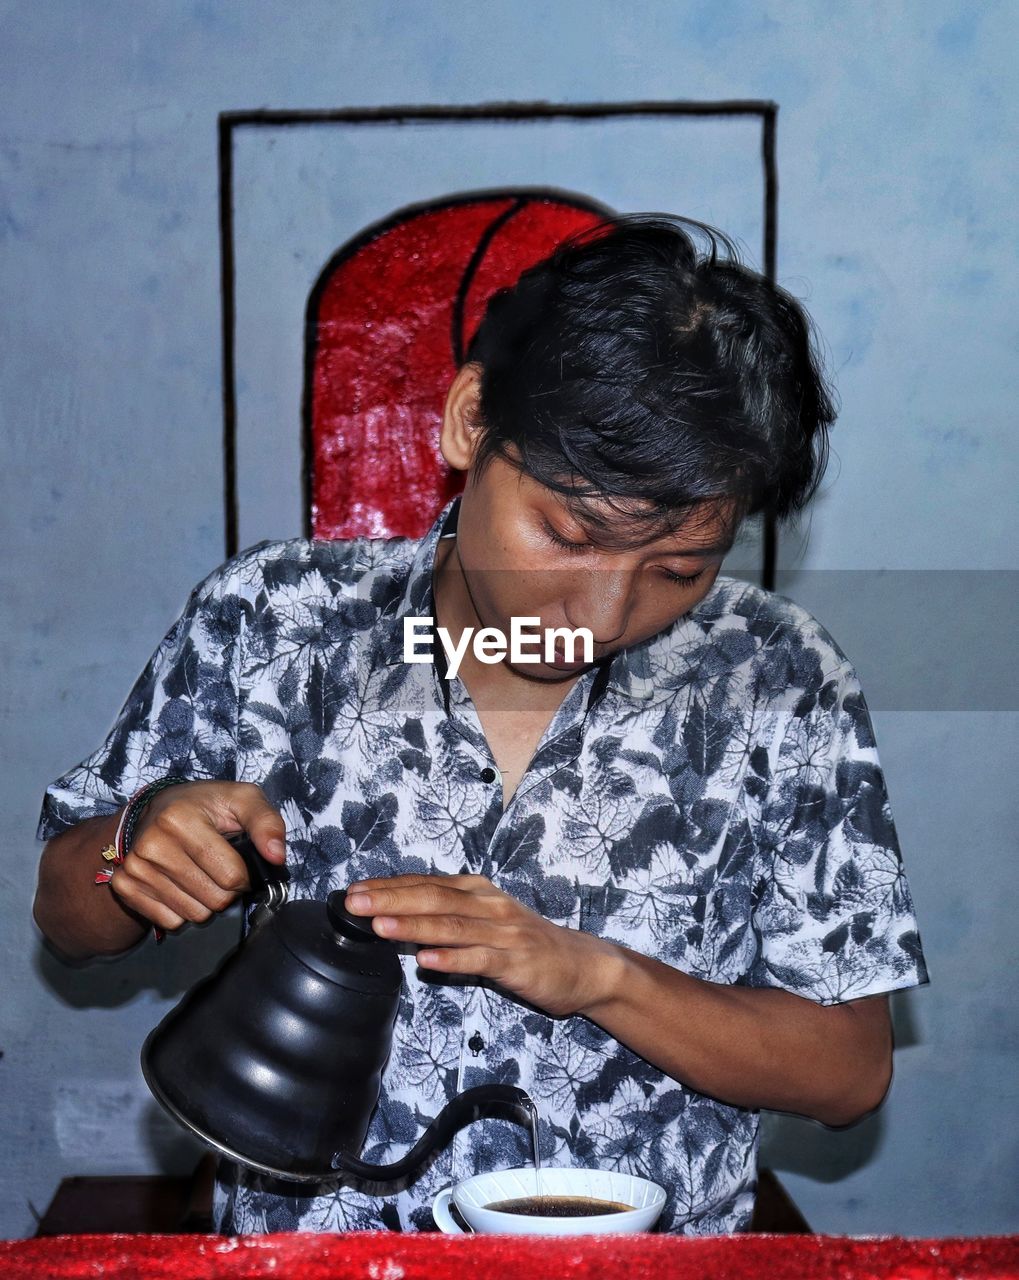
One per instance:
(659, 888)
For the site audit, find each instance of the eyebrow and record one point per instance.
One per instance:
(720, 550)
(589, 529)
(703, 553)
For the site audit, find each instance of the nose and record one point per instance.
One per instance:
(600, 600)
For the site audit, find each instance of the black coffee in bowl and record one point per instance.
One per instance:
(559, 1206)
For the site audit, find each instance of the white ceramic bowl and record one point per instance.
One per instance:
(473, 1194)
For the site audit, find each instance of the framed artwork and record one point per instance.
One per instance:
(359, 248)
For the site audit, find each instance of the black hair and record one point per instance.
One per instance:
(631, 365)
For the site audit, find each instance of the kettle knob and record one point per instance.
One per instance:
(356, 928)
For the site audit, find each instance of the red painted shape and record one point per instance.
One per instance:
(383, 358)
(429, 1256)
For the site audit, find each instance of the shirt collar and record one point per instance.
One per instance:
(658, 666)
(415, 599)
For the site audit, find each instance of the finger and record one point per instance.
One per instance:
(133, 895)
(477, 961)
(431, 897)
(149, 882)
(263, 823)
(450, 930)
(133, 898)
(388, 882)
(201, 864)
(463, 882)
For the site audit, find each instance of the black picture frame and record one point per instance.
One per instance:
(229, 122)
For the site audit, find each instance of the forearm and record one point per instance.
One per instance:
(746, 1046)
(79, 918)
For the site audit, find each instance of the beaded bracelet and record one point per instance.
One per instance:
(116, 852)
(119, 849)
(135, 807)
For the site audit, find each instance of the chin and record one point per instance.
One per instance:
(544, 673)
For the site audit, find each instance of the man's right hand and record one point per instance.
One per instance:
(180, 867)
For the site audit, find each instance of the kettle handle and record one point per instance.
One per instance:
(502, 1101)
(269, 882)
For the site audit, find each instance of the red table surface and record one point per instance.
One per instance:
(384, 1256)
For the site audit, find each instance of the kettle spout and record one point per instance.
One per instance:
(487, 1101)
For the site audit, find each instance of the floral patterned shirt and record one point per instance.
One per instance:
(711, 797)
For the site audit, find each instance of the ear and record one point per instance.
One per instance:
(461, 418)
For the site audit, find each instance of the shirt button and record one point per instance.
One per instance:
(475, 1043)
(488, 774)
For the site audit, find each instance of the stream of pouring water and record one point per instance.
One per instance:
(535, 1153)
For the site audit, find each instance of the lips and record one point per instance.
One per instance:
(559, 652)
(559, 659)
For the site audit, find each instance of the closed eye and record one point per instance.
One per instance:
(560, 541)
(684, 579)
(556, 538)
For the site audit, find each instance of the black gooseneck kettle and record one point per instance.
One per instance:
(276, 1059)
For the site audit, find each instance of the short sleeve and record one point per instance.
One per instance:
(832, 908)
(180, 718)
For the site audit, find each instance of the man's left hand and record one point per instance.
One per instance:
(465, 924)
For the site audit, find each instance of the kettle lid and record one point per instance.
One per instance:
(339, 946)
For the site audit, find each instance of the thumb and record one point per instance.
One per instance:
(264, 825)
(268, 834)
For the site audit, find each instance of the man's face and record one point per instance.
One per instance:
(510, 544)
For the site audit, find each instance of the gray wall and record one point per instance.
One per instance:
(896, 154)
